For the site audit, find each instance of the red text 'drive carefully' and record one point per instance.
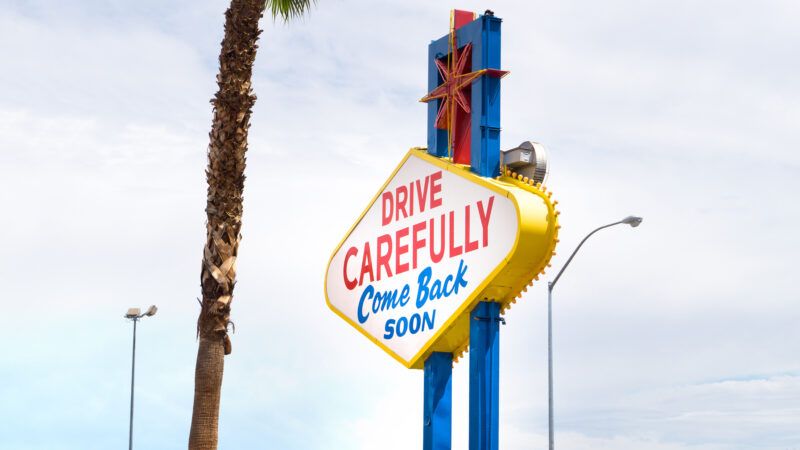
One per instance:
(447, 235)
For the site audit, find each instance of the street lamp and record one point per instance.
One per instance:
(634, 222)
(135, 314)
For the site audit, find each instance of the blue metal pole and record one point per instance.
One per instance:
(437, 413)
(484, 376)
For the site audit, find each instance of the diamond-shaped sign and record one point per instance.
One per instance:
(435, 241)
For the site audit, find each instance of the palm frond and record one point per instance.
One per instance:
(289, 9)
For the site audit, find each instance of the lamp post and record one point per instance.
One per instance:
(135, 314)
(633, 221)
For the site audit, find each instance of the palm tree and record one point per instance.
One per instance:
(233, 105)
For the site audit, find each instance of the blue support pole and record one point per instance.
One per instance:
(486, 100)
(484, 376)
(437, 408)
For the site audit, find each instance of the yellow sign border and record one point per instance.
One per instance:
(495, 287)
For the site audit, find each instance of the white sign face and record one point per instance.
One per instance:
(418, 255)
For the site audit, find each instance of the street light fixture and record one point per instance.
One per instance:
(634, 222)
(134, 314)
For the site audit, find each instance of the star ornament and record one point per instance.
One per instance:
(451, 91)
(455, 79)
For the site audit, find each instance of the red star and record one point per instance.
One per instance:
(455, 109)
(454, 80)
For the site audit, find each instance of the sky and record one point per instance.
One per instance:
(681, 334)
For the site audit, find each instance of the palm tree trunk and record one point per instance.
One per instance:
(233, 104)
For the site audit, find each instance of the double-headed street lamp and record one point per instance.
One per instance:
(633, 221)
(135, 314)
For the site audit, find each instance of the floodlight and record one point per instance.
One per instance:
(132, 313)
(529, 159)
(151, 311)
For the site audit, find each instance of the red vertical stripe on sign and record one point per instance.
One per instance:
(462, 128)
(462, 139)
(462, 18)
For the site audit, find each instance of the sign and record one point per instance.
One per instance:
(433, 242)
